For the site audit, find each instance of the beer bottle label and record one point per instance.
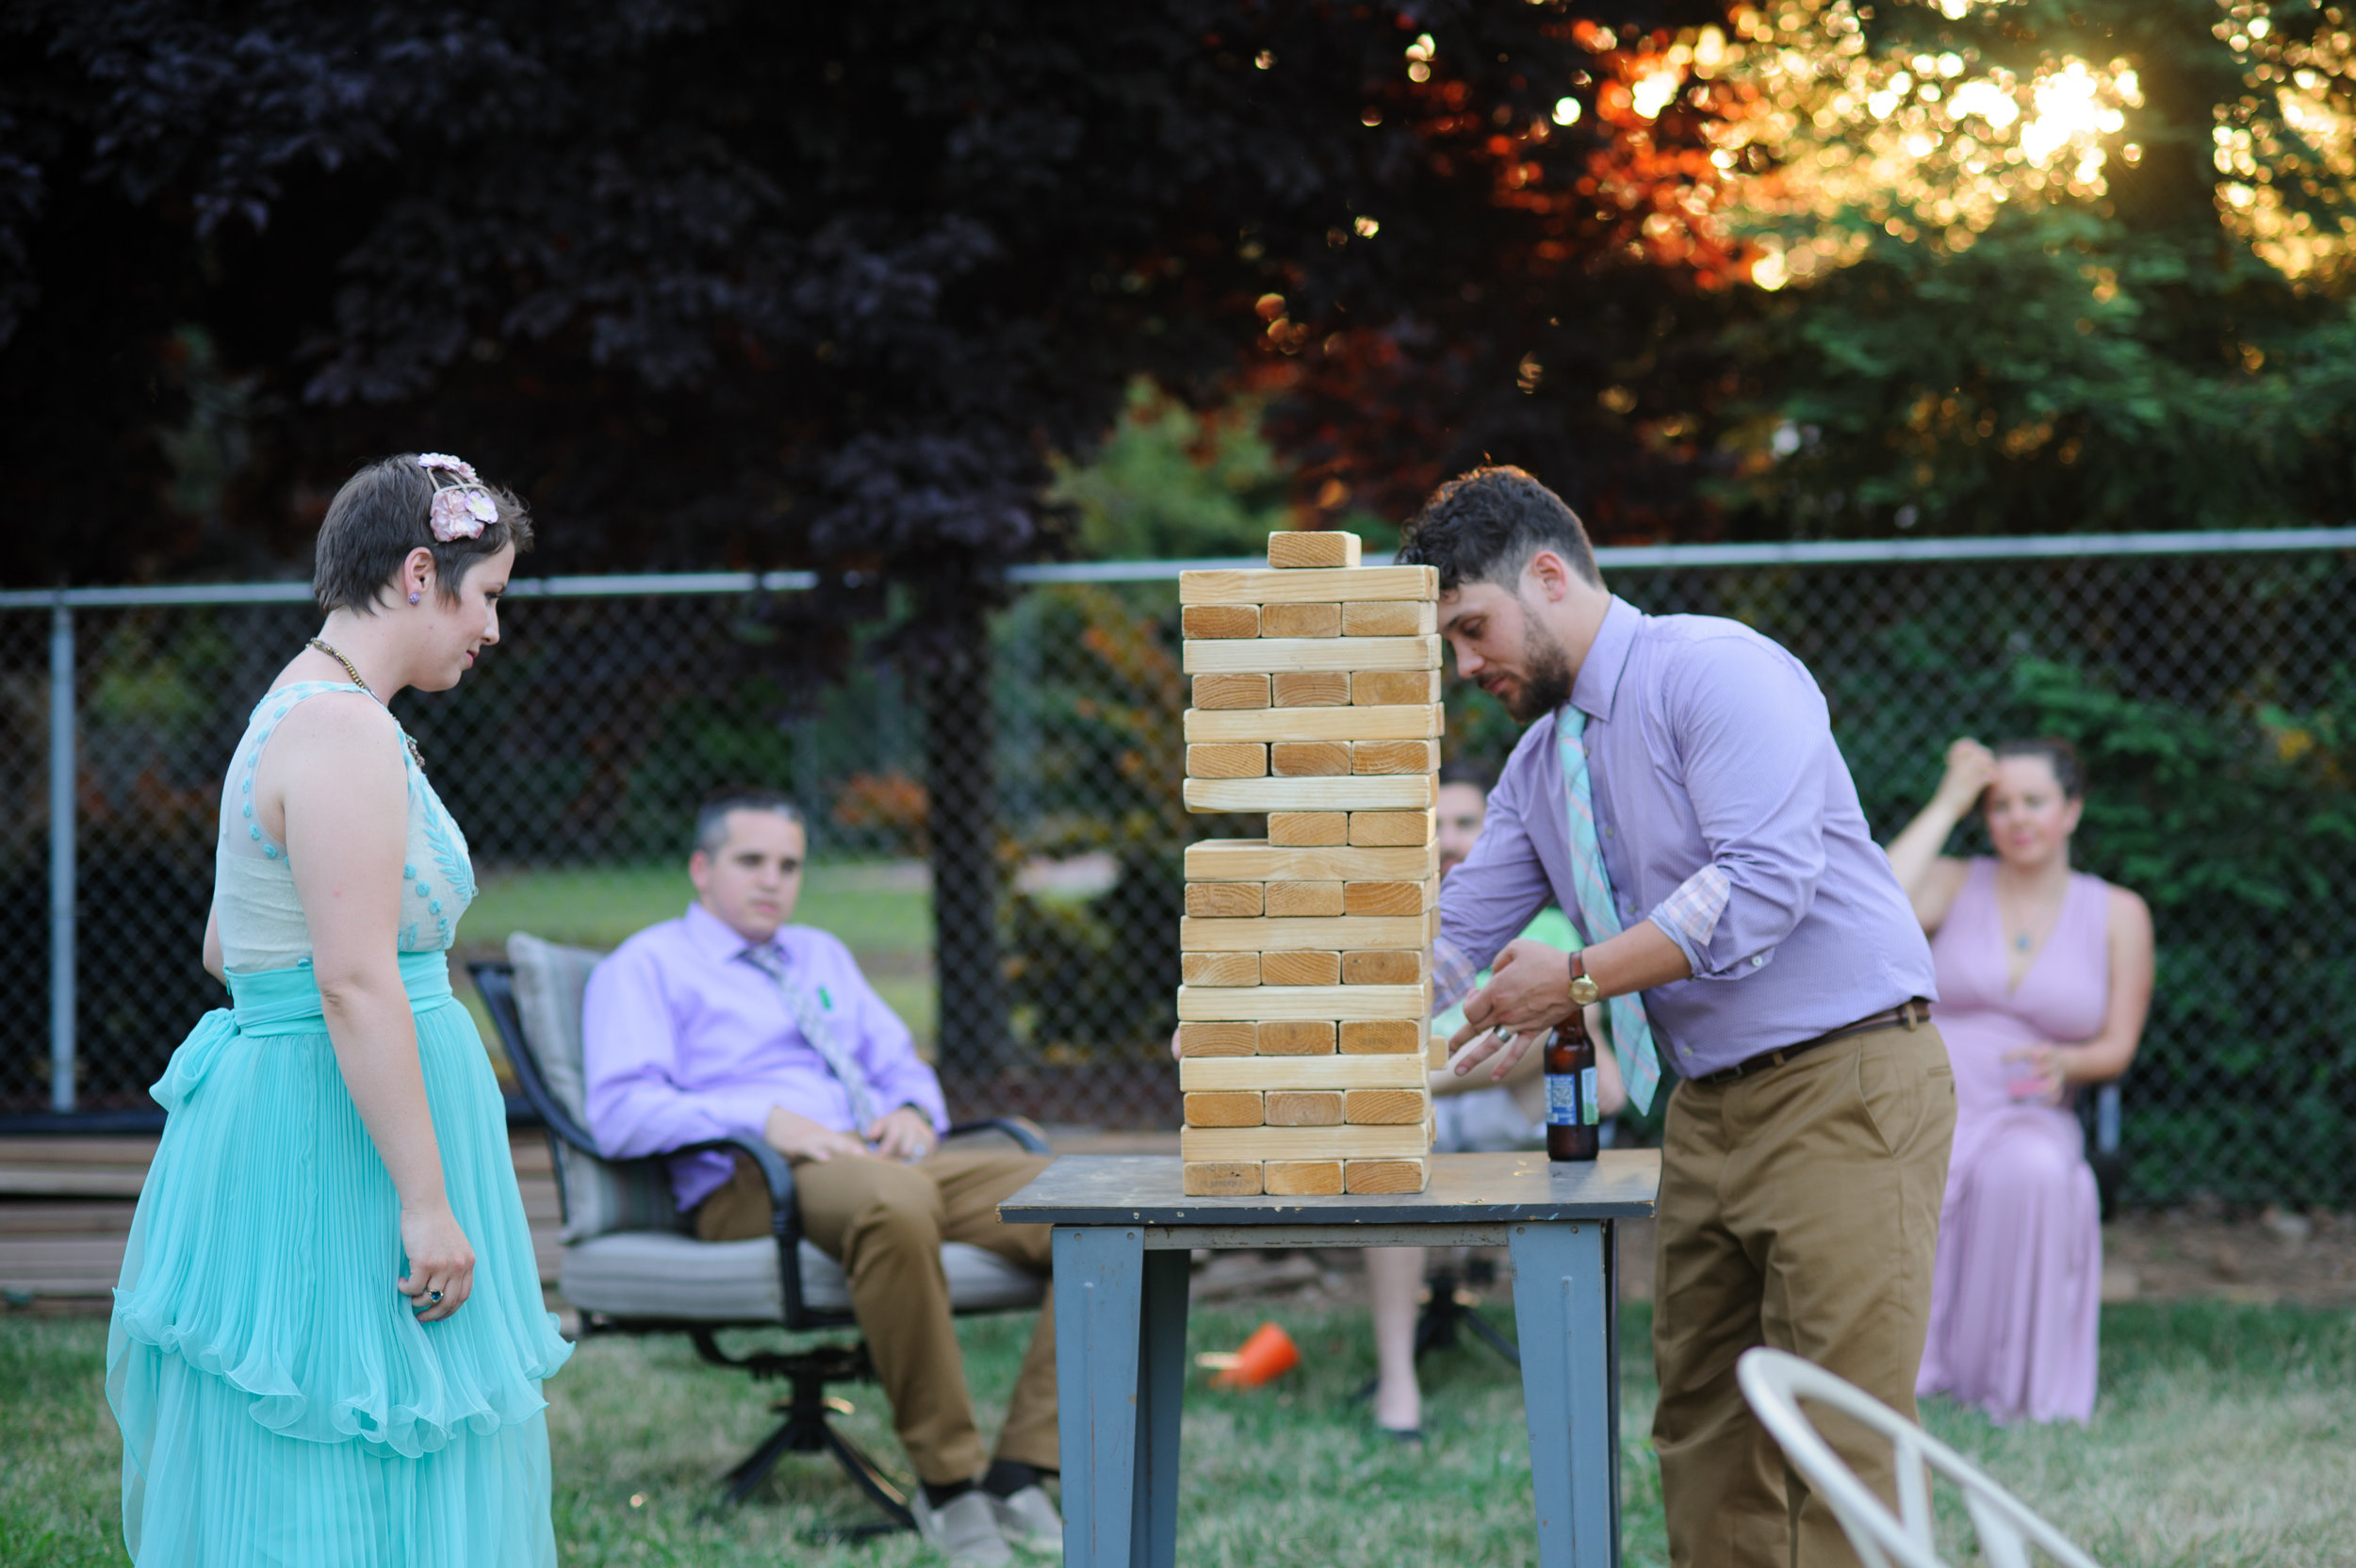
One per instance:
(1571, 1099)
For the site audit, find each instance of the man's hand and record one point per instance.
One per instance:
(800, 1139)
(1507, 1052)
(1529, 992)
(905, 1135)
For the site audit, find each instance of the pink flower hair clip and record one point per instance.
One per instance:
(461, 505)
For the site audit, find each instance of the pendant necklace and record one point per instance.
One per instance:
(406, 738)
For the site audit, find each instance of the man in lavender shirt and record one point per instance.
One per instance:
(695, 1029)
(1779, 970)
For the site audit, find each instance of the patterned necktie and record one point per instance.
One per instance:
(1631, 1031)
(819, 1031)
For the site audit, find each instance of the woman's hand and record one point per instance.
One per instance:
(440, 1260)
(1970, 769)
(2042, 1082)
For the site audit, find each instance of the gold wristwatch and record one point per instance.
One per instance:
(1583, 990)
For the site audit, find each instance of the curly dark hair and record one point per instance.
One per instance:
(1484, 525)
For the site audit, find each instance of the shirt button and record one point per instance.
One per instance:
(1758, 960)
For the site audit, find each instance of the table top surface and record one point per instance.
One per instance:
(1147, 1189)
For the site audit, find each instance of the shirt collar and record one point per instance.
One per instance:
(712, 936)
(1598, 680)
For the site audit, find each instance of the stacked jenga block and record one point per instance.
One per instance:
(1307, 983)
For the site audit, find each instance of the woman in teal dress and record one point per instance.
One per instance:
(329, 1337)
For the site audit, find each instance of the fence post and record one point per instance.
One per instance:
(61, 802)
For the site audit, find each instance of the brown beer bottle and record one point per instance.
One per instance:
(1572, 1117)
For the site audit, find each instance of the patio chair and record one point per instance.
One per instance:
(1774, 1381)
(632, 1265)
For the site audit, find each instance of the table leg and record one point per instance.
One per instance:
(1161, 1390)
(1121, 1340)
(1562, 1305)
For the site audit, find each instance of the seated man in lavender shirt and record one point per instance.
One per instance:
(729, 1023)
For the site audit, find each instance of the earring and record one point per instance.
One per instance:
(415, 596)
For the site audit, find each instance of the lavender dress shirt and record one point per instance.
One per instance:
(1727, 817)
(684, 1041)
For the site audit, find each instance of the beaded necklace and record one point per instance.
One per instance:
(406, 738)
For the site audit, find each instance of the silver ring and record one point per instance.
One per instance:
(433, 1297)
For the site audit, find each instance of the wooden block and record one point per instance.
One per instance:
(1382, 1175)
(1304, 1143)
(1372, 1107)
(1271, 936)
(1216, 1039)
(1301, 1073)
(1223, 656)
(1372, 898)
(1305, 1107)
(1301, 829)
(1375, 1038)
(1304, 1177)
(1245, 760)
(1391, 828)
(1387, 618)
(1220, 969)
(1302, 620)
(1227, 620)
(1309, 759)
(1231, 1108)
(1313, 688)
(1222, 900)
(1231, 690)
(1409, 722)
(1296, 898)
(1222, 1178)
(1296, 1037)
(1347, 792)
(1293, 586)
(1392, 966)
(1293, 551)
(1279, 1003)
(1379, 688)
(1299, 967)
(1369, 757)
(1257, 861)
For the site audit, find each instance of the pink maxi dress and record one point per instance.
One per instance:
(2017, 1282)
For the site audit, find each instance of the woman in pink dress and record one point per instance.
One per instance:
(2044, 979)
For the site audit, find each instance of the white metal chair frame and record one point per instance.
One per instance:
(1774, 1381)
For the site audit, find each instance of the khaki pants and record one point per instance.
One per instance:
(1799, 1208)
(885, 1222)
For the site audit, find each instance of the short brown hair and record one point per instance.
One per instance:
(380, 515)
(2059, 755)
(1484, 525)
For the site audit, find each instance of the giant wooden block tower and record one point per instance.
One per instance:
(1304, 1016)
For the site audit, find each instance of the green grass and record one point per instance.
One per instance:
(2223, 1440)
(879, 913)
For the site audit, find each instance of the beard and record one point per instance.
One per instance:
(1546, 684)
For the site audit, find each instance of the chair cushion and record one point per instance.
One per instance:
(601, 1197)
(666, 1275)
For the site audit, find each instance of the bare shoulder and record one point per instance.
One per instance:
(1936, 895)
(348, 732)
(2129, 915)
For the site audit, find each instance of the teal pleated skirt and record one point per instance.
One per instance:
(280, 1403)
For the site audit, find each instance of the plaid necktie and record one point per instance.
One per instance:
(1631, 1031)
(819, 1031)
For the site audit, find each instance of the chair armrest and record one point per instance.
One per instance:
(1019, 1128)
(785, 1215)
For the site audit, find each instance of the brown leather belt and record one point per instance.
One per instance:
(1906, 1014)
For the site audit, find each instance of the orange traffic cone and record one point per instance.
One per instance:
(1270, 1353)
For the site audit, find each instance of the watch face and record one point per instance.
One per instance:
(1585, 991)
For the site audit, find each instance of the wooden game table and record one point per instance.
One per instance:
(1123, 1230)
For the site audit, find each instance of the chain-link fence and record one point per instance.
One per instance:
(1007, 866)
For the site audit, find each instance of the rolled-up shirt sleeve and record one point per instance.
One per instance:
(1485, 901)
(1755, 737)
(881, 1044)
(630, 1051)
